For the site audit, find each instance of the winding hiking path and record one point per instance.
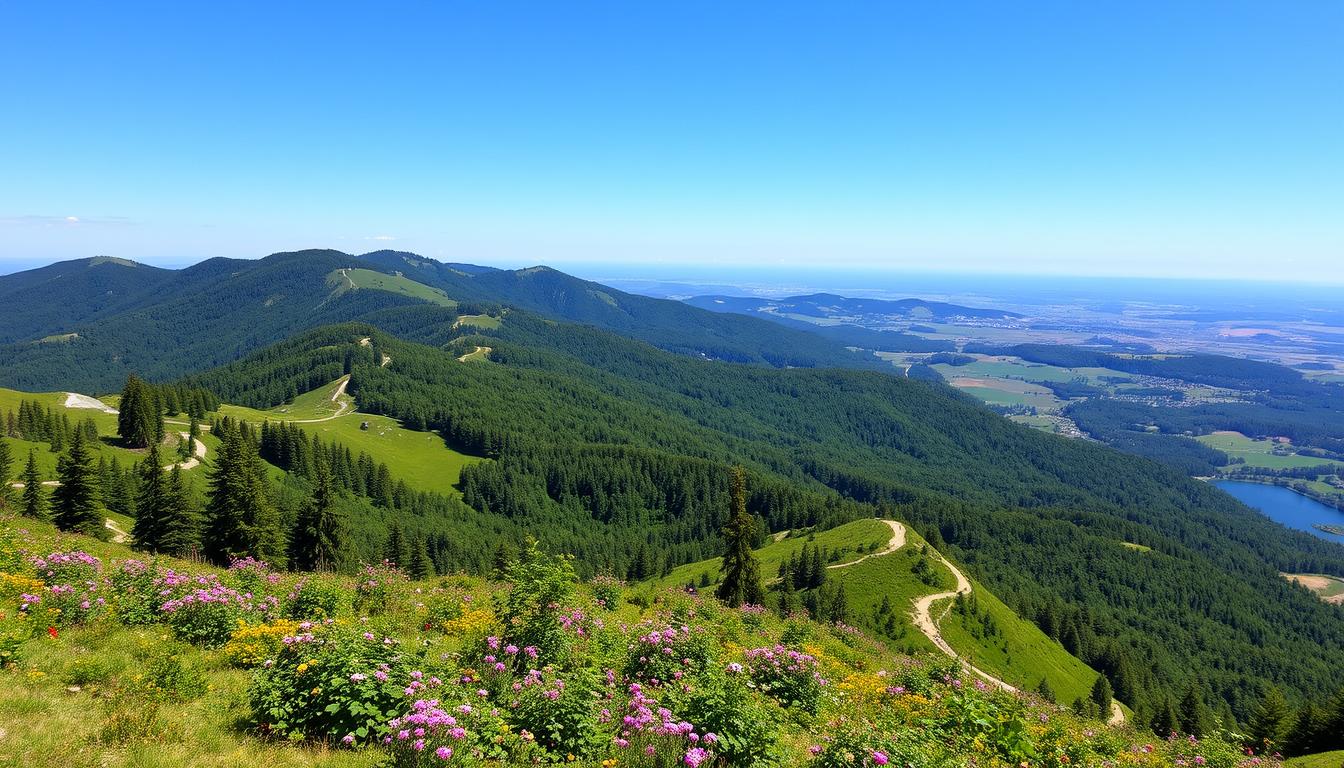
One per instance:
(897, 541)
(336, 395)
(478, 353)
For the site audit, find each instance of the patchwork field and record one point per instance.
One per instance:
(1328, 588)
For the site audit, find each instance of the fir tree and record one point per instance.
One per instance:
(151, 505)
(240, 519)
(1101, 695)
(1270, 722)
(500, 562)
(180, 525)
(396, 551)
(1045, 691)
(1194, 715)
(788, 596)
(34, 499)
(1165, 721)
(139, 418)
(320, 538)
(6, 468)
(420, 567)
(741, 572)
(76, 505)
(1305, 735)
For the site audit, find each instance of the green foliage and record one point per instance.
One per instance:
(741, 572)
(541, 586)
(241, 521)
(76, 504)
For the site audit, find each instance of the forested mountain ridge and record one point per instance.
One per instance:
(115, 317)
(584, 427)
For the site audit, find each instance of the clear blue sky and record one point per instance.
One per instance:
(1166, 138)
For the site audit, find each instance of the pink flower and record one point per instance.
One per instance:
(695, 756)
(348, 739)
(443, 753)
(879, 757)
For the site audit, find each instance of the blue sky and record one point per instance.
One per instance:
(1160, 139)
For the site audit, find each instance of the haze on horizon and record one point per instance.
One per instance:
(1149, 139)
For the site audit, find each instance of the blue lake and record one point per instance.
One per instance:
(1292, 509)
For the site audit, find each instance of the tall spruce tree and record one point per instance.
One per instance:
(139, 417)
(1270, 722)
(741, 571)
(180, 523)
(420, 567)
(240, 519)
(6, 472)
(320, 540)
(34, 498)
(151, 504)
(396, 551)
(1194, 715)
(76, 505)
(1101, 695)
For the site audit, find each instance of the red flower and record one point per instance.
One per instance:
(51, 631)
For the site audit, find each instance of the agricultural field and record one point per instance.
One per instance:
(1328, 588)
(1267, 453)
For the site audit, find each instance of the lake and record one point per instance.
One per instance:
(1292, 509)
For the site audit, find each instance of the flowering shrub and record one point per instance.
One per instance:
(456, 730)
(328, 684)
(649, 734)
(542, 588)
(73, 579)
(377, 587)
(790, 676)
(558, 711)
(135, 593)
(659, 656)
(204, 610)
(251, 645)
(313, 598)
(471, 623)
(252, 576)
(607, 591)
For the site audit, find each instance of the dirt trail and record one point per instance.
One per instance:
(476, 354)
(335, 396)
(197, 453)
(118, 536)
(897, 541)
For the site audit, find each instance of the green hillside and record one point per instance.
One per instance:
(320, 670)
(342, 280)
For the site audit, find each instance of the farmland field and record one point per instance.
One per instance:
(1260, 453)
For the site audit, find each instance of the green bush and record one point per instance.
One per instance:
(314, 598)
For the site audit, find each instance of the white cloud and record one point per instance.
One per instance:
(33, 220)
(381, 237)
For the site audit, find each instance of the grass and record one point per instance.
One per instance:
(1020, 653)
(351, 279)
(479, 321)
(850, 540)
(479, 354)
(1333, 759)
(1333, 586)
(1260, 453)
(1135, 547)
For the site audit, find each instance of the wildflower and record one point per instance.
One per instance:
(879, 757)
(443, 753)
(52, 632)
(348, 739)
(695, 756)
(358, 677)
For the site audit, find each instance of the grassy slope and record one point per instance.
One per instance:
(1259, 453)
(1020, 654)
(377, 281)
(420, 458)
(1320, 760)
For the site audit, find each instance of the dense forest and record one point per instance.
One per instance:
(589, 431)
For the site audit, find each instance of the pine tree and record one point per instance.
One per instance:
(1305, 735)
(6, 468)
(1101, 695)
(139, 417)
(76, 504)
(1165, 721)
(816, 572)
(396, 550)
(837, 608)
(240, 519)
(1269, 722)
(180, 524)
(788, 596)
(741, 571)
(1194, 716)
(639, 567)
(34, 499)
(320, 539)
(421, 567)
(500, 562)
(1045, 691)
(151, 506)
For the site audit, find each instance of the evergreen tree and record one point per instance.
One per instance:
(76, 505)
(240, 519)
(1101, 695)
(788, 596)
(500, 562)
(139, 418)
(1270, 722)
(1305, 735)
(1165, 722)
(1194, 715)
(639, 567)
(1045, 691)
(741, 571)
(152, 504)
(837, 607)
(396, 551)
(320, 541)
(180, 525)
(34, 498)
(816, 574)
(420, 567)
(6, 470)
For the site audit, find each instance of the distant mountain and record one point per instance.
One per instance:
(664, 323)
(831, 306)
(86, 324)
